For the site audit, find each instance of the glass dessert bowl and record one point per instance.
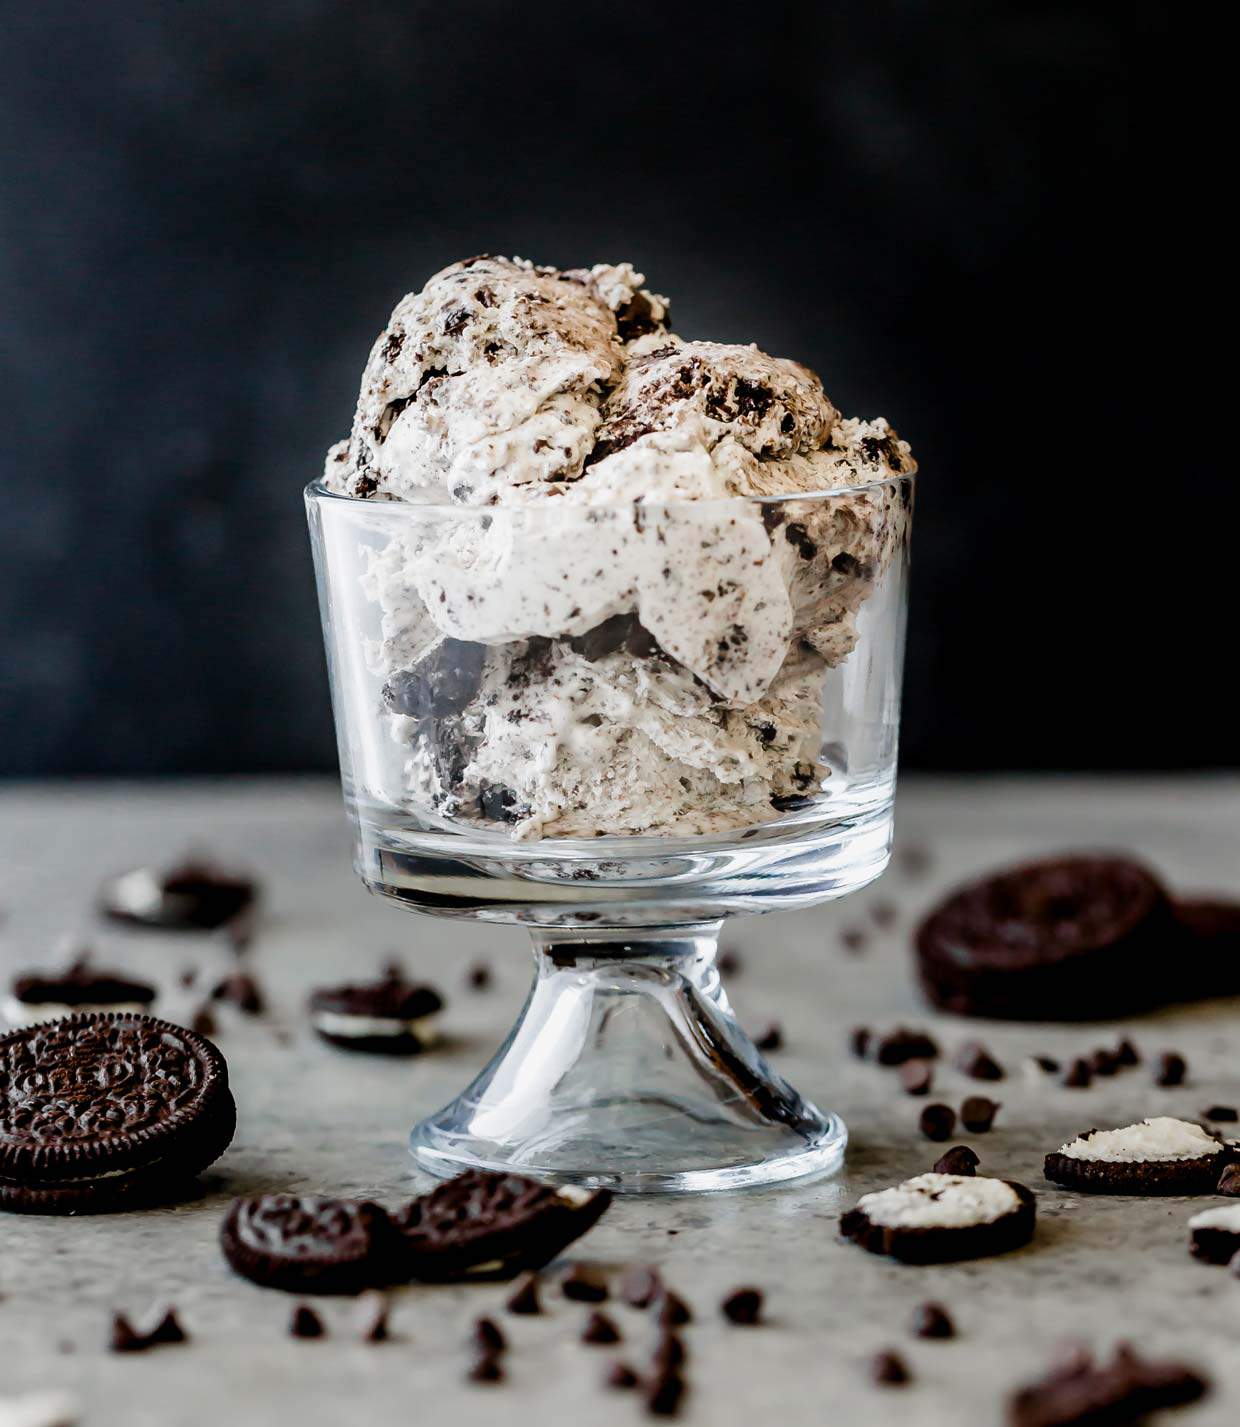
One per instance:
(618, 724)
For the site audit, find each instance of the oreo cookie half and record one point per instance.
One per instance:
(304, 1243)
(1214, 1234)
(484, 1225)
(107, 1112)
(940, 1218)
(1069, 938)
(1158, 1156)
(193, 896)
(387, 1017)
(84, 988)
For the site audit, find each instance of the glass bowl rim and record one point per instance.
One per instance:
(317, 490)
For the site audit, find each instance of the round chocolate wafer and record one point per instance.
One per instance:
(941, 1218)
(1162, 1155)
(104, 1112)
(305, 1243)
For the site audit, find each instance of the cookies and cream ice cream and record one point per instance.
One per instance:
(612, 614)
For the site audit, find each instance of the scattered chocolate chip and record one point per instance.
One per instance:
(1126, 1390)
(975, 1061)
(743, 1306)
(673, 1310)
(889, 1370)
(1229, 1181)
(1078, 1075)
(125, 1338)
(584, 1284)
(902, 1044)
(1222, 1114)
(524, 1296)
(931, 1320)
(188, 976)
(854, 939)
(241, 990)
(960, 1159)
(167, 1330)
(1170, 1069)
(663, 1394)
(1104, 1062)
(977, 1114)
(1047, 1063)
(884, 915)
(772, 1038)
(859, 1041)
(729, 963)
(916, 1077)
(372, 1317)
(1126, 1053)
(937, 1122)
(620, 1375)
(640, 1286)
(203, 1021)
(600, 1329)
(486, 1367)
(487, 1337)
(479, 977)
(669, 1352)
(305, 1323)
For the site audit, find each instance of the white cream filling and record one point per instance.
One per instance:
(20, 1014)
(1161, 1139)
(1223, 1216)
(350, 1027)
(940, 1201)
(138, 893)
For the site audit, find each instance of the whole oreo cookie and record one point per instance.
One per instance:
(107, 1112)
(387, 1017)
(483, 1225)
(1070, 938)
(82, 987)
(306, 1243)
(194, 896)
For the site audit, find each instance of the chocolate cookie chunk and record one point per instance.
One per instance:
(940, 1218)
(1066, 939)
(1215, 1234)
(483, 1225)
(1157, 1156)
(82, 987)
(305, 1243)
(193, 896)
(107, 1112)
(1081, 1392)
(387, 1017)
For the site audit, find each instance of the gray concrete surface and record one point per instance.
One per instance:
(313, 1118)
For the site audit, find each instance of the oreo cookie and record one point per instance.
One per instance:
(1069, 938)
(1080, 1391)
(108, 1112)
(484, 1225)
(1158, 1156)
(306, 1243)
(192, 896)
(82, 988)
(391, 1016)
(941, 1218)
(1214, 1234)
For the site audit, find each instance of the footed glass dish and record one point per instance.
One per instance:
(619, 725)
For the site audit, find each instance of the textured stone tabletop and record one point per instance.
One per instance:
(314, 1118)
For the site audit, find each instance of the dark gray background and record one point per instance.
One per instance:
(210, 208)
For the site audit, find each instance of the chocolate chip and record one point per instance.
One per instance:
(479, 977)
(884, 914)
(620, 1375)
(167, 1330)
(1048, 1063)
(931, 1320)
(743, 1305)
(640, 1286)
(240, 990)
(673, 1311)
(584, 1284)
(729, 963)
(975, 1061)
(1229, 1181)
(486, 1367)
(1170, 1069)
(917, 1076)
(1104, 1062)
(960, 1159)
(524, 1296)
(977, 1114)
(600, 1329)
(372, 1317)
(306, 1323)
(188, 976)
(669, 1352)
(859, 1040)
(663, 1394)
(125, 1338)
(937, 1122)
(854, 939)
(487, 1337)
(1078, 1076)
(902, 1044)
(1223, 1114)
(203, 1022)
(1126, 1053)
(889, 1370)
(772, 1038)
